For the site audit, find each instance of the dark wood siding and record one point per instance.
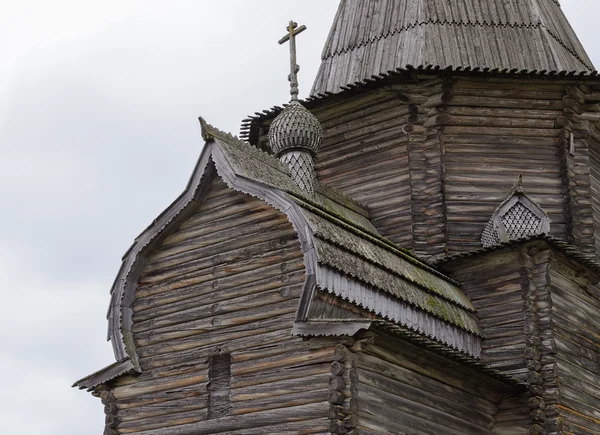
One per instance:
(365, 156)
(576, 334)
(496, 131)
(212, 324)
(404, 389)
(594, 159)
(493, 284)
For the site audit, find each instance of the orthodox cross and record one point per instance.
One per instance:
(293, 30)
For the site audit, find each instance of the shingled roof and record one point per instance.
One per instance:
(370, 38)
(343, 254)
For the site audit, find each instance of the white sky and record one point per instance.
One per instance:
(98, 133)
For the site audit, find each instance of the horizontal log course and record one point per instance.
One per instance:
(156, 306)
(279, 374)
(193, 393)
(193, 347)
(515, 103)
(208, 324)
(271, 386)
(397, 411)
(285, 360)
(220, 307)
(167, 294)
(279, 401)
(253, 421)
(161, 421)
(155, 385)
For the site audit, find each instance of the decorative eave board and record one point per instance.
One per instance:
(386, 81)
(106, 374)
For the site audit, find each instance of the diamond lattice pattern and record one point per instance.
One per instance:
(301, 169)
(519, 221)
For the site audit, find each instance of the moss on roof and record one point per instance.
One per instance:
(348, 242)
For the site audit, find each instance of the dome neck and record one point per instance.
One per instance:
(302, 169)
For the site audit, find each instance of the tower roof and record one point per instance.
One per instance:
(373, 37)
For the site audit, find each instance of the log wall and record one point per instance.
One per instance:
(212, 323)
(403, 389)
(498, 129)
(363, 134)
(576, 338)
(595, 190)
(493, 283)
(433, 157)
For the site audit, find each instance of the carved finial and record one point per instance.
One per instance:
(293, 30)
(518, 187)
(205, 128)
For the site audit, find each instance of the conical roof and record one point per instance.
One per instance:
(373, 37)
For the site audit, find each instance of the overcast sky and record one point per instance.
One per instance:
(98, 134)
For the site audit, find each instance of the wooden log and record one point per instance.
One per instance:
(162, 421)
(192, 348)
(249, 421)
(275, 387)
(220, 322)
(192, 393)
(211, 293)
(576, 93)
(276, 374)
(166, 295)
(152, 386)
(220, 306)
(278, 402)
(438, 99)
(592, 97)
(285, 360)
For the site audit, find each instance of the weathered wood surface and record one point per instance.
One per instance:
(493, 284)
(359, 136)
(486, 148)
(576, 339)
(213, 313)
(404, 389)
(426, 165)
(432, 159)
(594, 158)
(513, 416)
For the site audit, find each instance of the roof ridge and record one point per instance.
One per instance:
(209, 132)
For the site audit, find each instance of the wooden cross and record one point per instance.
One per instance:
(293, 30)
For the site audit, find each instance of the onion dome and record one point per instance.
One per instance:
(295, 129)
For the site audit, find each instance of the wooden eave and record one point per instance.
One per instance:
(106, 374)
(252, 125)
(569, 252)
(357, 327)
(369, 38)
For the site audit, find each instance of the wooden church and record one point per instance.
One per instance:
(410, 250)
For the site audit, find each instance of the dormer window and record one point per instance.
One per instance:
(517, 216)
